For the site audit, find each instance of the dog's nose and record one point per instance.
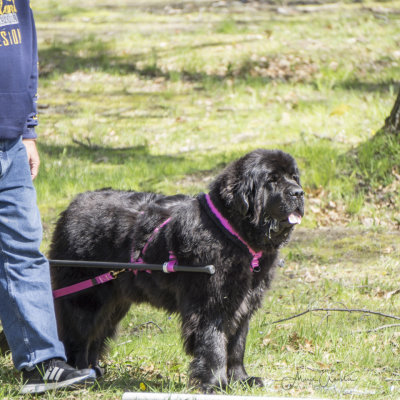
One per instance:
(297, 192)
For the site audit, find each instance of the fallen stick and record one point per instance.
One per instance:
(379, 328)
(336, 309)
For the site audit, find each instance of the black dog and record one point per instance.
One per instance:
(249, 213)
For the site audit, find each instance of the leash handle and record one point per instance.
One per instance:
(207, 269)
(77, 287)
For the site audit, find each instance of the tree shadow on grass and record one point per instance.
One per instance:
(92, 153)
(103, 154)
(365, 86)
(169, 166)
(89, 53)
(375, 161)
(216, 6)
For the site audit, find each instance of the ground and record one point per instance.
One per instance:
(160, 95)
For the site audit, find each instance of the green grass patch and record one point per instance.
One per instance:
(160, 96)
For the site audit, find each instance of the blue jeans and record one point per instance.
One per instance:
(26, 302)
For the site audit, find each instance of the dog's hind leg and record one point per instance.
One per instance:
(77, 352)
(94, 354)
(105, 330)
(72, 330)
(236, 349)
(78, 327)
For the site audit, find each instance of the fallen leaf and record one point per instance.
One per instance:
(323, 365)
(266, 341)
(308, 346)
(340, 110)
(310, 278)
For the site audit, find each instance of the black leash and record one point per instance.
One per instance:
(208, 269)
(115, 268)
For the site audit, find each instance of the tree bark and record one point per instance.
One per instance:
(392, 122)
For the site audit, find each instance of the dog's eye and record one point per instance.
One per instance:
(273, 179)
(296, 178)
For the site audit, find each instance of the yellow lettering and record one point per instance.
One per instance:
(4, 36)
(7, 9)
(19, 35)
(14, 35)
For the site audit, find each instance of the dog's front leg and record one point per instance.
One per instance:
(209, 366)
(236, 349)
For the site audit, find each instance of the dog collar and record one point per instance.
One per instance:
(254, 266)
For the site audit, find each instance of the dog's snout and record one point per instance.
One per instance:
(297, 192)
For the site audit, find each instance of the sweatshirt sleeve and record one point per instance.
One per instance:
(32, 121)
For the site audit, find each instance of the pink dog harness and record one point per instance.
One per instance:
(168, 266)
(254, 266)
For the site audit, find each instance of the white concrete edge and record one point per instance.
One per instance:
(183, 396)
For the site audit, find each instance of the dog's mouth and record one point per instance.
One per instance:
(275, 226)
(294, 218)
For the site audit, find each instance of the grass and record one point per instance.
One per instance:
(160, 96)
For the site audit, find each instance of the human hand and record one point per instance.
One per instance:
(33, 156)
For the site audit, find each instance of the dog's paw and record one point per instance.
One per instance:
(253, 381)
(208, 389)
(100, 371)
(209, 382)
(212, 388)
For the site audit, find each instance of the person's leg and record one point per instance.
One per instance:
(26, 306)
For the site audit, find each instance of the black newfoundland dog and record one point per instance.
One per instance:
(248, 214)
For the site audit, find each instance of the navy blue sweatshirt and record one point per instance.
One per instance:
(18, 70)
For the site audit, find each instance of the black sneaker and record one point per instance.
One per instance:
(54, 374)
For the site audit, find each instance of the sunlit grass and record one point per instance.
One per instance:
(158, 96)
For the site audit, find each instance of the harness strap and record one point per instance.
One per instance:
(77, 287)
(254, 266)
(168, 267)
(154, 234)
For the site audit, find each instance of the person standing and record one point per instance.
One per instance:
(26, 302)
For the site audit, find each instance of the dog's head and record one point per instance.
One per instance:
(262, 190)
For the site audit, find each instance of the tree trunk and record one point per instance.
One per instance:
(392, 122)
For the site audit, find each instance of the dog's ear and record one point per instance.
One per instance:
(233, 192)
(236, 186)
(249, 196)
(243, 194)
(241, 203)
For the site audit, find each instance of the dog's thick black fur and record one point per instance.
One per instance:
(256, 194)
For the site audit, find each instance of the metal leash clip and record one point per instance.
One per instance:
(114, 274)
